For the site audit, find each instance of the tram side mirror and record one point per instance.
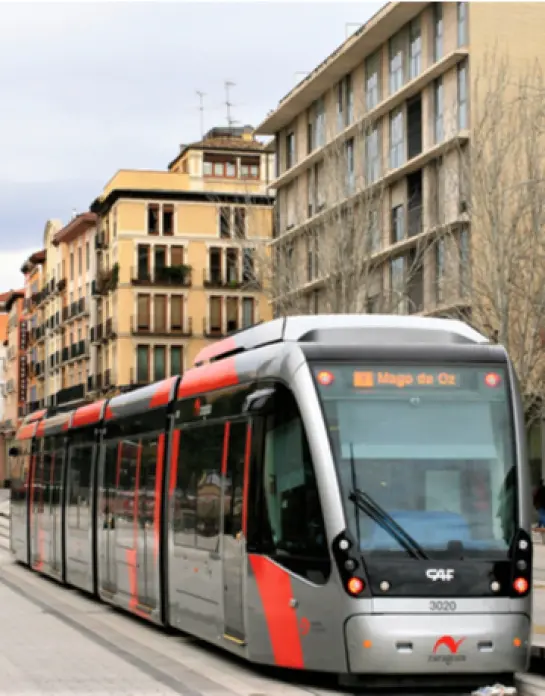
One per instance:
(261, 400)
(13, 452)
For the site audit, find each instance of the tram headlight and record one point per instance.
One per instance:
(355, 586)
(521, 585)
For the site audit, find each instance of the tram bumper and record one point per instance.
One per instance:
(438, 644)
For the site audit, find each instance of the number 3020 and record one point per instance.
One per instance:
(442, 606)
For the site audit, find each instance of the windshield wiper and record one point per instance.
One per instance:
(381, 517)
(364, 502)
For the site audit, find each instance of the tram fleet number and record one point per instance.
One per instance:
(442, 605)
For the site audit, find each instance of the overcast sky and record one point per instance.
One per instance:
(90, 88)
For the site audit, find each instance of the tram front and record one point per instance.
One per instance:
(428, 445)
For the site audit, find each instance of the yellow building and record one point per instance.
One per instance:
(178, 258)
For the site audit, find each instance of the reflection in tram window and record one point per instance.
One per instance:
(78, 483)
(146, 490)
(126, 478)
(108, 503)
(198, 487)
(292, 523)
(234, 484)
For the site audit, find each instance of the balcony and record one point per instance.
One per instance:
(100, 241)
(166, 276)
(109, 329)
(215, 278)
(210, 331)
(61, 285)
(144, 328)
(69, 394)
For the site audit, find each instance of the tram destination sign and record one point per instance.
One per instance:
(401, 379)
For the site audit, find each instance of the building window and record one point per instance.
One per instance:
(160, 259)
(319, 123)
(312, 256)
(250, 168)
(176, 313)
(143, 313)
(225, 222)
(215, 316)
(232, 266)
(240, 223)
(398, 224)
(215, 266)
(372, 81)
(438, 31)
(232, 314)
(372, 156)
(345, 103)
(80, 261)
(87, 257)
(290, 150)
(247, 312)
(248, 271)
(439, 270)
(176, 361)
(462, 23)
(462, 96)
(160, 313)
(465, 268)
(373, 228)
(71, 265)
(159, 363)
(350, 173)
(397, 61)
(153, 219)
(415, 49)
(397, 139)
(438, 110)
(168, 220)
(142, 365)
(176, 256)
(397, 280)
(143, 255)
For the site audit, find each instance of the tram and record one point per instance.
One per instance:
(338, 493)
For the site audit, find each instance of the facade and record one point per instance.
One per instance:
(377, 139)
(69, 343)
(177, 258)
(34, 270)
(15, 372)
(3, 358)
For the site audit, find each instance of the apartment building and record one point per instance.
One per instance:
(15, 371)
(34, 272)
(179, 256)
(3, 357)
(69, 345)
(375, 141)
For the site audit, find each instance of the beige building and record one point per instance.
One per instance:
(373, 146)
(177, 258)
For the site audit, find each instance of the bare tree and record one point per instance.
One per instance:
(500, 286)
(339, 252)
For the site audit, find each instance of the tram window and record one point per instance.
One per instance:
(79, 485)
(146, 489)
(53, 462)
(126, 477)
(292, 525)
(198, 487)
(108, 504)
(235, 479)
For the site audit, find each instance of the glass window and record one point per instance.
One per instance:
(397, 139)
(372, 156)
(397, 59)
(176, 360)
(247, 312)
(350, 173)
(462, 23)
(372, 81)
(438, 31)
(197, 496)
(397, 279)
(462, 96)
(415, 49)
(398, 226)
(159, 363)
(142, 365)
(440, 269)
(319, 123)
(465, 261)
(292, 526)
(78, 486)
(438, 109)
(432, 445)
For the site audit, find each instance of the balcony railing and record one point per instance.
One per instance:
(175, 276)
(145, 328)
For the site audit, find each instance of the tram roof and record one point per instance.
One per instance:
(342, 328)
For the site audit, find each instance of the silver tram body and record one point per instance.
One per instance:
(259, 553)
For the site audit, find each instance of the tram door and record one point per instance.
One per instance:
(110, 514)
(233, 536)
(37, 511)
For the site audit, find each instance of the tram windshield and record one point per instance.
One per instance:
(423, 450)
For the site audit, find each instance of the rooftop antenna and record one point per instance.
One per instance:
(201, 96)
(74, 213)
(230, 121)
